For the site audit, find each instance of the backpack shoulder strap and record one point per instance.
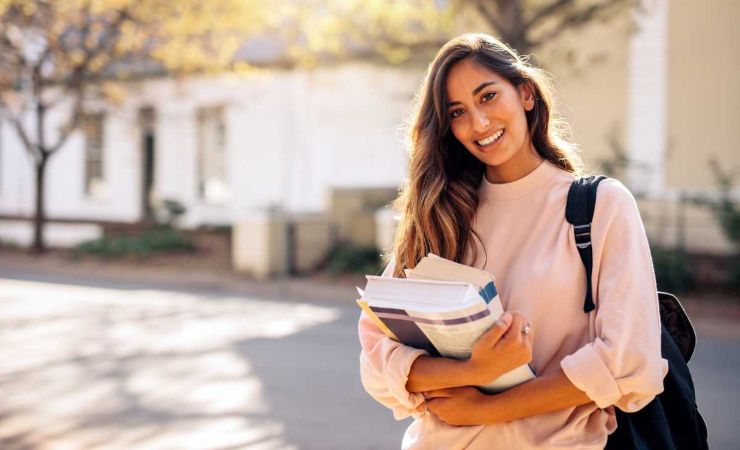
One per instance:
(579, 211)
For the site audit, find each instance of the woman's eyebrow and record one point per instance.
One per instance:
(482, 86)
(475, 91)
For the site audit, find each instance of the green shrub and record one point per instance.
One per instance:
(346, 258)
(9, 244)
(155, 240)
(672, 270)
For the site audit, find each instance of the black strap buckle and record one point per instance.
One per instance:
(582, 235)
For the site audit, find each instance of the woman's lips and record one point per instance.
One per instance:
(491, 141)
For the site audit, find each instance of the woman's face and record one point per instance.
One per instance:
(487, 115)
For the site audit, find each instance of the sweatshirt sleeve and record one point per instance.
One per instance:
(385, 366)
(623, 365)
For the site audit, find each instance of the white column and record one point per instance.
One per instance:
(648, 86)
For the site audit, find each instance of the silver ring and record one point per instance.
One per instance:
(527, 329)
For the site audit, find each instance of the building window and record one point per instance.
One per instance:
(92, 126)
(212, 185)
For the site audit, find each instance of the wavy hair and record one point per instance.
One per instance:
(440, 196)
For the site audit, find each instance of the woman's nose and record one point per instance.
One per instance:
(480, 121)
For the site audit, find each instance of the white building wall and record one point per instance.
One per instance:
(648, 90)
(16, 182)
(122, 162)
(290, 137)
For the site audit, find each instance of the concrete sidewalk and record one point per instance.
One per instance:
(99, 359)
(712, 306)
(56, 266)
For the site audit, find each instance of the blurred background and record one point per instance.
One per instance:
(190, 190)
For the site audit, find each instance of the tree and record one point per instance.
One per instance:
(54, 52)
(328, 30)
(399, 30)
(527, 25)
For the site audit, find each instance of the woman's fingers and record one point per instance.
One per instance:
(517, 324)
(498, 329)
(517, 343)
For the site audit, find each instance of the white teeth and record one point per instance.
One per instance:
(490, 139)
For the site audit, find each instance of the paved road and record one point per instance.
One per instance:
(98, 365)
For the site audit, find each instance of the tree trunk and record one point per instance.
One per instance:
(39, 216)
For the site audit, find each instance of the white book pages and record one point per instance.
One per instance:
(424, 295)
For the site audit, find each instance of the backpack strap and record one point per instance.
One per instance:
(579, 211)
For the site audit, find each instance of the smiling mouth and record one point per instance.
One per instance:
(490, 140)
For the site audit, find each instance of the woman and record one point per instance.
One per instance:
(489, 173)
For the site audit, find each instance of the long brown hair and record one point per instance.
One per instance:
(440, 197)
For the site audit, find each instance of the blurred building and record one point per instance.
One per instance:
(310, 141)
(225, 147)
(666, 96)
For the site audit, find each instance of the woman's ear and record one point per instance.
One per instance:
(526, 92)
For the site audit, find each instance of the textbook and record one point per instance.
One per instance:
(442, 307)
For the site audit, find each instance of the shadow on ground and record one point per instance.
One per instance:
(312, 384)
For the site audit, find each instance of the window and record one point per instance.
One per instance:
(92, 126)
(212, 185)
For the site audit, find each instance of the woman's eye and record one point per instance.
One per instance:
(488, 96)
(456, 113)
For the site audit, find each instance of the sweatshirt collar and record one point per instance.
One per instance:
(533, 181)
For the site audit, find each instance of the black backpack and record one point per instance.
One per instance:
(671, 420)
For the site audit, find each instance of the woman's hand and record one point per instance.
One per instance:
(501, 349)
(461, 406)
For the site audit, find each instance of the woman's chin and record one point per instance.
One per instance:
(495, 159)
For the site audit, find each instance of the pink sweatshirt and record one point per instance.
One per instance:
(612, 354)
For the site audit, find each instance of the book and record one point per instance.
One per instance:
(442, 307)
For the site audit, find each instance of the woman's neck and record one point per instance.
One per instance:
(518, 166)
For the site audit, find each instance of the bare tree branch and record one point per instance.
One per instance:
(72, 123)
(546, 12)
(81, 75)
(12, 49)
(507, 18)
(578, 19)
(14, 120)
(484, 9)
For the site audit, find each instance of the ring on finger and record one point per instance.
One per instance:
(527, 329)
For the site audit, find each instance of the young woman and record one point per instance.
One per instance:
(489, 174)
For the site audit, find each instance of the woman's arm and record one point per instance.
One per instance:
(468, 406)
(428, 373)
(499, 350)
(623, 365)
(551, 392)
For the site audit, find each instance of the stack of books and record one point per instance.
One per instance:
(442, 307)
